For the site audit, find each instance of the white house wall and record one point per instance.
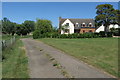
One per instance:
(114, 26)
(71, 26)
(101, 28)
(62, 32)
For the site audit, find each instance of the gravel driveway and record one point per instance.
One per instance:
(41, 67)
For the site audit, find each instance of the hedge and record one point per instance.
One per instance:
(37, 34)
(116, 32)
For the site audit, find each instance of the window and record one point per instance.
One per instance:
(83, 24)
(90, 25)
(66, 30)
(83, 31)
(77, 25)
(67, 24)
(90, 30)
(76, 30)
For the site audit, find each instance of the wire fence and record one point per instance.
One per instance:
(7, 43)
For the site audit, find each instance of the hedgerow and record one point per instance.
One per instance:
(37, 34)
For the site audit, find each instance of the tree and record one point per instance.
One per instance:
(106, 15)
(29, 25)
(43, 26)
(5, 24)
(8, 27)
(0, 25)
(21, 29)
(55, 29)
(117, 12)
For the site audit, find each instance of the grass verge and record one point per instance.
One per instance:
(99, 52)
(6, 37)
(0, 70)
(15, 64)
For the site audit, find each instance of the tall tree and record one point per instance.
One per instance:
(5, 24)
(21, 29)
(43, 26)
(8, 26)
(106, 15)
(29, 25)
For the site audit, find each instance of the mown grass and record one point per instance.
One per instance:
(99, 52)
(15, 64)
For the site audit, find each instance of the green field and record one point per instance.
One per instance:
(99, 52)
(6, 37)
(15, 64)
(0, 70)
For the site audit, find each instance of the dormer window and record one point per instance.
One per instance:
(90, 25)
(77, 25)
(83, 24)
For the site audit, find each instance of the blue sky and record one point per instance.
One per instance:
(20, 11)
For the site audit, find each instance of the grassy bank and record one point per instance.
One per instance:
(15, 64)
(0, 70)
(6, 37)
(99, 52)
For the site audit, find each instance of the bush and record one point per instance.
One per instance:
(109, 34)
(69, 36)
(116, 32)
(80, 36)
(55, 35)
(75, 35)
(87, 35)
(102, 33)
(36, 34)
(63, 36)
(95, 35)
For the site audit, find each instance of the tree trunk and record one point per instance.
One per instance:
(106, 27)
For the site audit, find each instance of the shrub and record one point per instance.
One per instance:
(75, 35)
(109, 34)
(36, 34)
(102, 33)
(116, 32)
(69, 36)
(63, 36)
(87, 35)
(79, 35)
(95, 35)
(47, 35)
(55, 35)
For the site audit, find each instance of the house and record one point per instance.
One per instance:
(101, 28)
(70, 26)
(76, 25)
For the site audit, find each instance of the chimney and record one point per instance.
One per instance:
(60, 18)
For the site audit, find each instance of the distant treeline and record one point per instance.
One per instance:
(28, 26)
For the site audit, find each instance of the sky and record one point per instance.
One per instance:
(20, 11)
(60, 0)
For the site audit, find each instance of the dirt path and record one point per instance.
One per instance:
(41, 67)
